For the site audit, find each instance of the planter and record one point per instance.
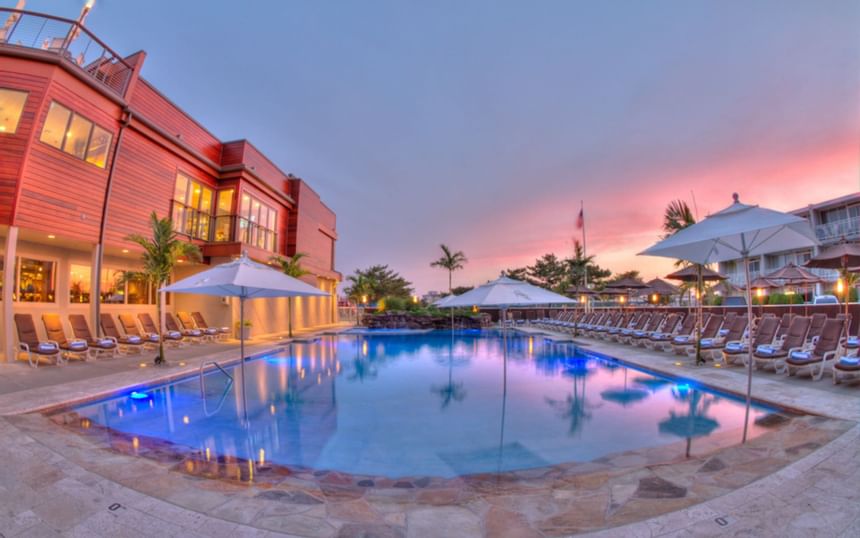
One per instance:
(243, 333)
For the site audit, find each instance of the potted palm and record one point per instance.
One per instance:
(242, 330)
(160, 255)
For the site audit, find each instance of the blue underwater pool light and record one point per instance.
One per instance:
(135, 395)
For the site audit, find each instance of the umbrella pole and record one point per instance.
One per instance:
(749, 347)
(242, 353)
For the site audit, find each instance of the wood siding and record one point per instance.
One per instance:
(60, 193)
(148, 102)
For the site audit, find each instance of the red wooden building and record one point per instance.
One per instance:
(89, 148)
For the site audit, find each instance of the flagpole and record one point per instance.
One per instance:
(584, 250)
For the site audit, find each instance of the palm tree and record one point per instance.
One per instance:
(452, 261)
(160, 254)
(291, 267)
(677, 217)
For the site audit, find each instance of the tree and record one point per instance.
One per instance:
(580, 263)
(548, 272)
(291, 267)
(677, 217)
(633, 275)
(519, 273)
(160, 254)
(376, 282)
(452, 261)
(460, 290)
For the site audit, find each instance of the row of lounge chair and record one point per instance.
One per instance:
(789, 345)
(136, 335)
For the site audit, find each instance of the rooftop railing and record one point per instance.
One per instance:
(834, 231)
(67, 39)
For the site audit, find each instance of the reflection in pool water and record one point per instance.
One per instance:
(438, 404)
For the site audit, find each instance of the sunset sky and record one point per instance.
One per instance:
(482, 124)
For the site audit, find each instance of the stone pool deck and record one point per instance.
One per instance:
(801, 477)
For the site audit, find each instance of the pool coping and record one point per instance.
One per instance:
(698, 515)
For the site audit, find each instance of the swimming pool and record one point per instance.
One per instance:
(439, 404)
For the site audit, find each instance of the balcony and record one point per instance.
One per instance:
(222, 229)
(833, 232)
(68, 40)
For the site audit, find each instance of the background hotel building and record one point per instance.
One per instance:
(832, 221)
(89, 148)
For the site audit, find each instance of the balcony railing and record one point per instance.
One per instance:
(834, 231)
(222, 228)
(67, 39)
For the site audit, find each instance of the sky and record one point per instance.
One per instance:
(484, 124)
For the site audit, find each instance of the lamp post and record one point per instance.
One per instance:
(843, 290)
(759, 293)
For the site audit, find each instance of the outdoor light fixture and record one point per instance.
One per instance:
(655, 297)
(475, 309)
(622, 299)
(582, 299)
(52, 236)
(364, 299)
(840, 286)
(125, 251)
(415, 299)
(759, 292)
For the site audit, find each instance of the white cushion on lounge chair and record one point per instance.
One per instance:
(801, 355)
(105, 342)
(735, 346)
(765, 350)
(707, 341)
(47, 347)
(153, 338)
(195, 332)
(682, 339)
(132, 339)
(78, 345)
(174, 334)
(853, 340)
(211, 331)
(723, 332)
(850, 361)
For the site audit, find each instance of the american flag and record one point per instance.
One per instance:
(580, 220)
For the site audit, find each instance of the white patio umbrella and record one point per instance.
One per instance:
(505, 292)
(738, 231)
(244, 279)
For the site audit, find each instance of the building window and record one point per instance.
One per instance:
(125, 287)
(97, 151)
(257, 223)
(79, 284)
(76, 135)
(224, 215)
(35, 281)
(192, 207)
(11, 106)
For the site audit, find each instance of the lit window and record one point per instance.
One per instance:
(97, 151)
(11, 106)
(35, 281)
(192, 207)
(112, 286)
(54, 130)
(77, 136)
(79, 284)
(257, 223)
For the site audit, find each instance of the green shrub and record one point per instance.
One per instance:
(716, 300)
(395, 304)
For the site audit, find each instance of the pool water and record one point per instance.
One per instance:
(438, 404)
